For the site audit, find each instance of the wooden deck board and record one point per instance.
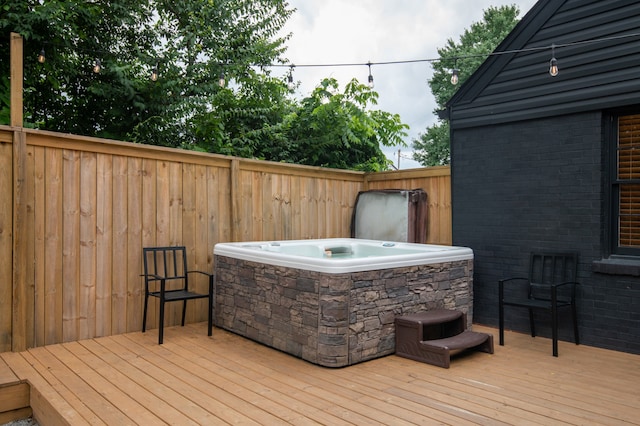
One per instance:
(227, 379)
(185, 393)
(7, 376)
(245, 381)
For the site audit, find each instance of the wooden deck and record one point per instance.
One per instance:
(193, 379)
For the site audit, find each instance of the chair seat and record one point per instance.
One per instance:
(170, 295)
(535, 303)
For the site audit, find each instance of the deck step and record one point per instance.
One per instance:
(433, 336)
(465, 340)
(14, 402)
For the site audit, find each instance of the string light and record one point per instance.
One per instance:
(454, 76)
(290, 83)
(455, 72)
(154, 73)
(553, 63)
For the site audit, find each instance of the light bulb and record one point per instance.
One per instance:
(41, 57)
(553, 67)
(454, 76)
(154, 73)
(97, 66)
(221, 80)
(370, 82)
(290, 83)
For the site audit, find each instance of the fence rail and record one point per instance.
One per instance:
(76, 212)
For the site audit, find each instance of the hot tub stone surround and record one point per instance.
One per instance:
(333, 320)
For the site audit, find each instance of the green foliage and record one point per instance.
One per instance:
(248, 121)
(432, 151)
(189, 40)
(190, 43)
(476, 43)
(199, 41)
(63, 94)
(5, 101)
(337, 130)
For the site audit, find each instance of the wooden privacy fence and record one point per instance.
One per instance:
(76, 212)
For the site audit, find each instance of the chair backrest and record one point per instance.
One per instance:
(551, 268)
(169, 263)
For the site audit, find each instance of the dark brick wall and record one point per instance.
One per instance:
(538, 185)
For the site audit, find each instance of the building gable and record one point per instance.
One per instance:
(598, 52)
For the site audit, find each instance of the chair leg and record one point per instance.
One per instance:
(161, 325)
(554, 321)
(574, 313)
(211, 290)
(501, 313)
(144, 314)
(210, 322)
(184, 311)
(532, 323)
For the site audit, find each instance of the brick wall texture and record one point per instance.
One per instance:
(539, 185)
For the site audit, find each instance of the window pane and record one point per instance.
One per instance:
(629, 147)
(629, 193)
(629, 216)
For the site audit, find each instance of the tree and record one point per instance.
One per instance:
(432, 147)
(202, 41)
(332, 129)
(190, 46)
(476, 43)
(63, 93)
(189, 42)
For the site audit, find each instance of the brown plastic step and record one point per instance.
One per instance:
(465, 340)
(438, 352)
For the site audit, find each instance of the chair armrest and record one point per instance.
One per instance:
(154, 276)
(507, 280)
(520, 284)
(574, 283)
(211, 278)
(201, 272)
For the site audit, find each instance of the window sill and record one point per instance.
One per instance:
(618, 265)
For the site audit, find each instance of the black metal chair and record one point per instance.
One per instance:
(167, 278)
(551, 285)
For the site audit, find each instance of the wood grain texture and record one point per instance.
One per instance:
(76, 212)
(226, 379)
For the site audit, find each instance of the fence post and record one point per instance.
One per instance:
(236, 219)
(21, 263)
(17, 76)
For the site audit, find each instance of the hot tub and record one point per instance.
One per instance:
(333, 301)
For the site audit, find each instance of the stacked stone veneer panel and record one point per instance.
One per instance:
(333, 320)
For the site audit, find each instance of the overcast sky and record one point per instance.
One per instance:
(361, 31)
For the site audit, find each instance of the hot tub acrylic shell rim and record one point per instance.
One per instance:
(308, 254)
